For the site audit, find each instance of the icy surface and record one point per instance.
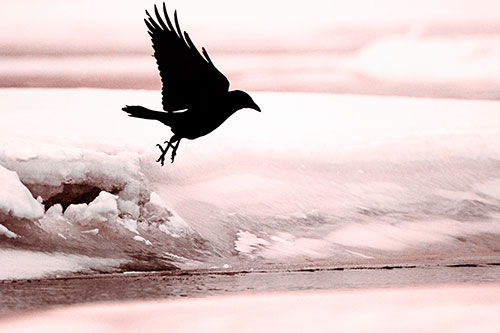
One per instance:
(319, 179)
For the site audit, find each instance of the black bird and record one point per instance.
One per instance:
(195, 94)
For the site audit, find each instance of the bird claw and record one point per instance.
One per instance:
(161, 159)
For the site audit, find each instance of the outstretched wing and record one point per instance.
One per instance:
(187, 76)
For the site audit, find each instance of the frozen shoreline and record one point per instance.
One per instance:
(360, 180)
(413, 309)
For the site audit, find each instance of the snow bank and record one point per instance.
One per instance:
(16, 199)
(93, 173)
(422, 309)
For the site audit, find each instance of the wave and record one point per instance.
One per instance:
(318, 180)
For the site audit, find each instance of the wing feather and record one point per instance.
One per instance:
(191, 45)
(152, 22)
(179, 32)
(160, 21)
(186, 75)
(170, 26)
(205, 53)
(150, 27)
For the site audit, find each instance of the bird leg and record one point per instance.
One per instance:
(174, 150)
(161, 159)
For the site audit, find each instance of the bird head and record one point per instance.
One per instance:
(242, 100)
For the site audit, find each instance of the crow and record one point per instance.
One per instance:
(195, 94)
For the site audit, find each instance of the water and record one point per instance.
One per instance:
(31, 295)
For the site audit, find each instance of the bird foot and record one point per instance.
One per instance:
(174, 152)
(161, 159)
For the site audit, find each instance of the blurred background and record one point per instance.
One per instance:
(446, 48)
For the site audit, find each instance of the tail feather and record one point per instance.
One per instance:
(141, 112)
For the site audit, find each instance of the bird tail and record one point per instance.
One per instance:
(141, 112)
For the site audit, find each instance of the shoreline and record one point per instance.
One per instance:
(294, 268)
(22, 297)
(468, 308)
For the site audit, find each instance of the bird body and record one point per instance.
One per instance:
(195, 94)
(201, 122)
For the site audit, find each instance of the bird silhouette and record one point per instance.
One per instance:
(195, 94)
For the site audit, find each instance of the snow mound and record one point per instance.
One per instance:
(94, 190)
(16, 199)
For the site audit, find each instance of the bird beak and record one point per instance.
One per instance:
(255, 107)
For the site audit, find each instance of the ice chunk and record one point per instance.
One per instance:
(104, 208)
(6, 232)
(175, 222)
(92, 231)
(128, 207)
(129, 224)
(16, 199)
(154, 198)
(75, 213)
(142, 239)
(54, 211)
(165, 229)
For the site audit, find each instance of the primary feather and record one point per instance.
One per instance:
(187, 75)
